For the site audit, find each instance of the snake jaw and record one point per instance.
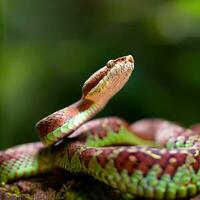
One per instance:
(106, 82)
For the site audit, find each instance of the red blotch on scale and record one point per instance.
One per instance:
(120, 160)
(130, 166)
(103, 157)
(198, 158)
(180, 157)
(148, 161)
(72, 148)
(87, 154)
(170, 169)
(115, 124)
(140, 156)
(144, 168)
(164, 160)
(127, 161)
(196, 165)
(99, 132)
(145, 158)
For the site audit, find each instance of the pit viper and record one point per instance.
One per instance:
(151, 158)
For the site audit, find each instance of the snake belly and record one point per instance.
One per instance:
(149, 158)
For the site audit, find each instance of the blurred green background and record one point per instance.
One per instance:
(49, 48)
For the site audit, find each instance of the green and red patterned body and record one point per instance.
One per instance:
(149, 158)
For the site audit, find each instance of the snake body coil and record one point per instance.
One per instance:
(150, 158)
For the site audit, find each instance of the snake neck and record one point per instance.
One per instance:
(80, 112)
(64, 122)
(84, 110)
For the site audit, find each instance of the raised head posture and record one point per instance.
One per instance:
(150, 158)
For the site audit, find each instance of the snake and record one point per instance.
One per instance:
(150, 158)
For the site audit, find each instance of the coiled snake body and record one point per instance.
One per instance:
(150, 158)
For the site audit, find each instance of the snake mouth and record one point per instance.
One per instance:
(119, 68)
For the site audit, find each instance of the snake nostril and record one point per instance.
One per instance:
(130, 58)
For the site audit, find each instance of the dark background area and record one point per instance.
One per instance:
(49, 48)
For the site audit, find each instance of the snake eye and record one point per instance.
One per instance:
(122, 59)
(110, 63)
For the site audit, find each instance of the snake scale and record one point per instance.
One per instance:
(151, 158)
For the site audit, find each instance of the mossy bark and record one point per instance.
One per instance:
(58, 186)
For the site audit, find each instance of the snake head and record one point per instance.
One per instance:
(107, 81)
